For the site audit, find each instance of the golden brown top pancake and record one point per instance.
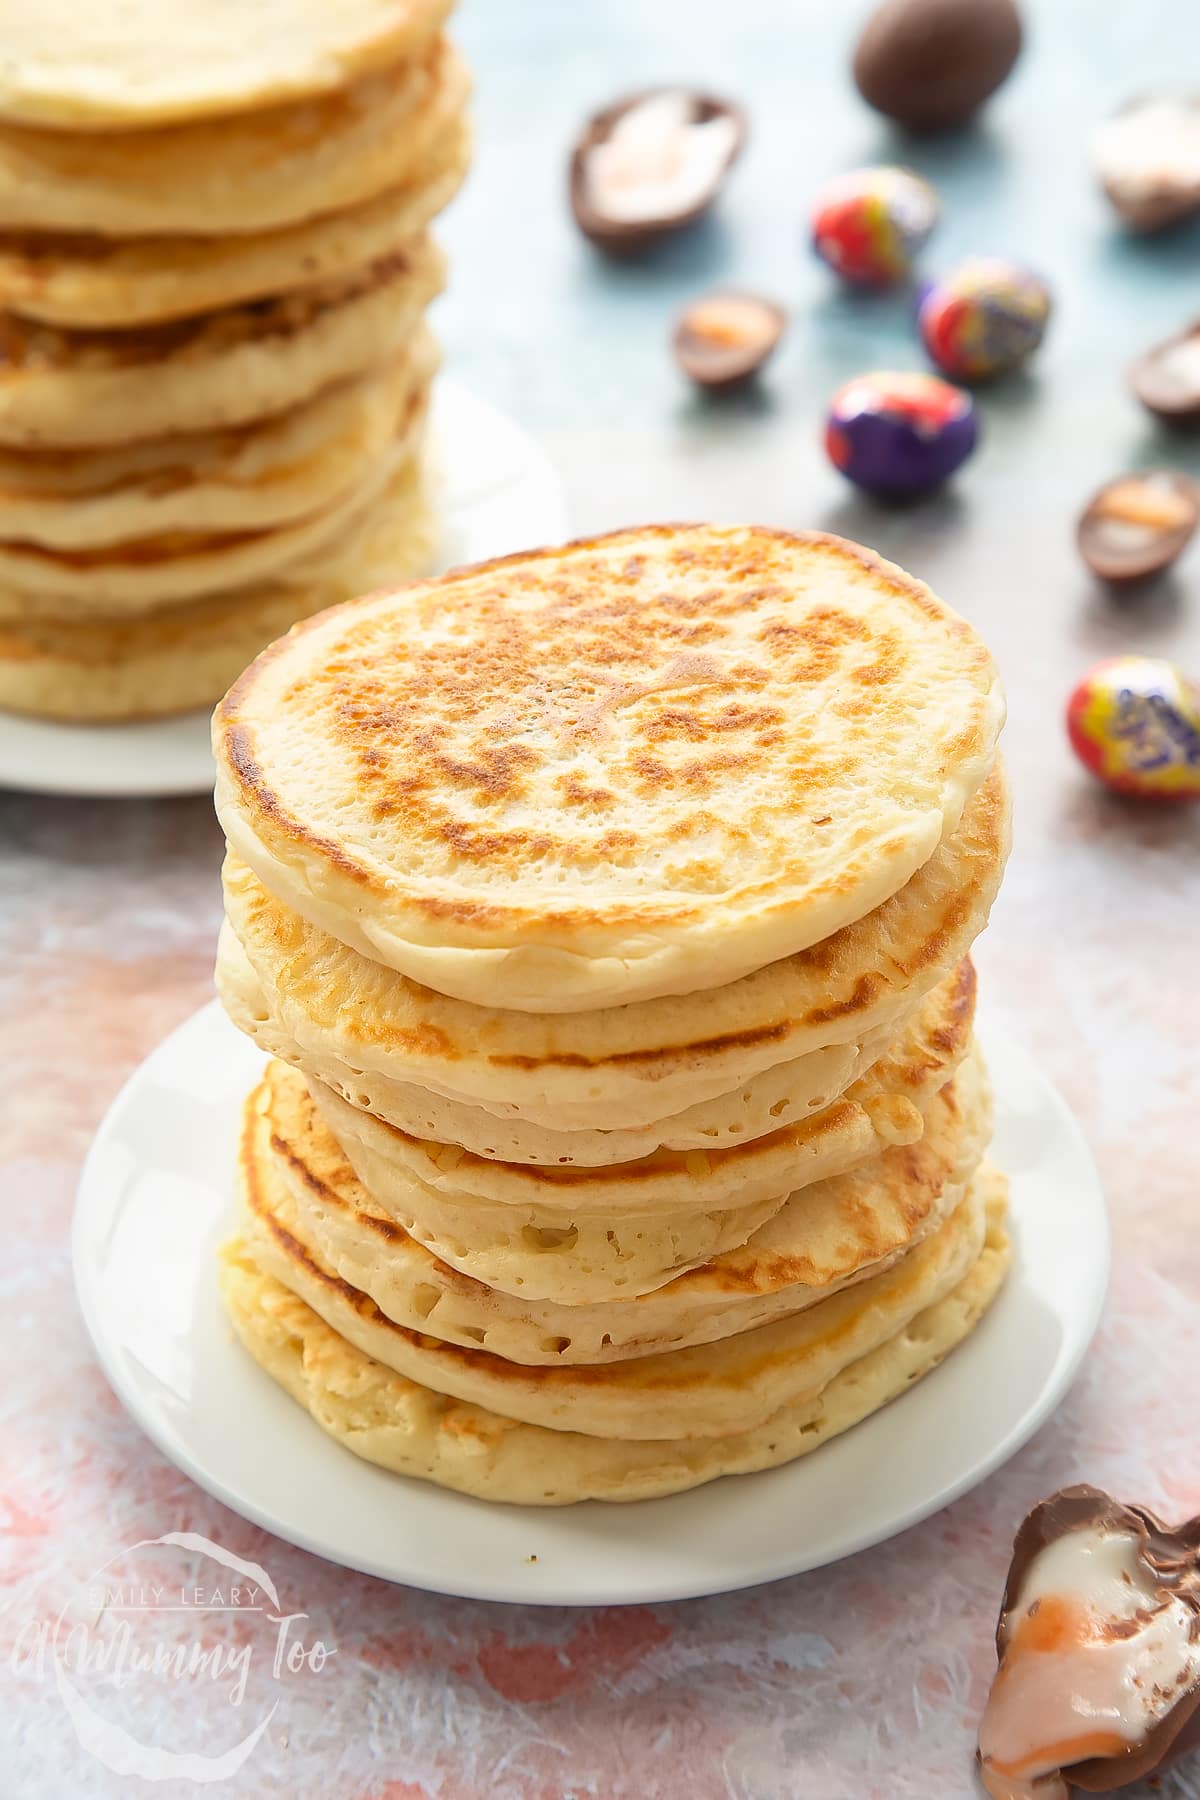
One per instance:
(633, 766)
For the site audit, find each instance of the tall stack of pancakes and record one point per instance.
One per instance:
(608, 911)
(214, 366)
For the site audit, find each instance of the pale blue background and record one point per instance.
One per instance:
(577, 347)
(550, 330)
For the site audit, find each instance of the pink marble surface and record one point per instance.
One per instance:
(861, 1682)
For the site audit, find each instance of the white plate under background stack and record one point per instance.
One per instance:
(214, 268)
(609, 912)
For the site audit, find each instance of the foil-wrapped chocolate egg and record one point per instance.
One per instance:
(986, 317)
(1134, 721)
(900, 433)
(870, 225)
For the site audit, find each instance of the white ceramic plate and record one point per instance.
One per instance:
(155, 1200)
(498, 493)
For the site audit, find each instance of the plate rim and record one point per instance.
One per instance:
(92, 783)
(506, 1592)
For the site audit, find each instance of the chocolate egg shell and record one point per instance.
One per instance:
(675, 203)
(1148, 159)
(1134, 722)
(899, 433)
(1167, 378)
(870, 224)
(726, 337)
(984, 319)
(930, 64)
(1170, 1557)
(1138, 524)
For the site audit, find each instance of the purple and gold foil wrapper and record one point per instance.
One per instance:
(984, 319)
(899, 433)
(1134, 721)
(870, 225)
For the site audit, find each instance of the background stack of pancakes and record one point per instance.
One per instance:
(609, 910)
(214, 367)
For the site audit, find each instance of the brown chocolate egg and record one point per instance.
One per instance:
(650, 164)
(1138, 524)
(930, 64)
(725, 338)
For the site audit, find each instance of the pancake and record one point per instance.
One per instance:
(776, 1254)
(186, 656)
(302, 1184)
(249, 172)
(626, 768)
(617, 1068)
(701, 1390)
(128, 580)
(408, 1427)
(82, 65)
(764, 1105)
(88, 283)
(793, 1090)
(226, 368)
(239, 480)
(305, 1182)
(886, 1106)
(604, 1286)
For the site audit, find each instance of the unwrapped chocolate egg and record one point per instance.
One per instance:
(1098, 1645)
(984, 318)
(870, 224)
(1166, 378)
(1148, 159)
(725, 338)
(1134, 721)
(931, 64)
(1139, 524)
(650, 164)
(900, 433)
